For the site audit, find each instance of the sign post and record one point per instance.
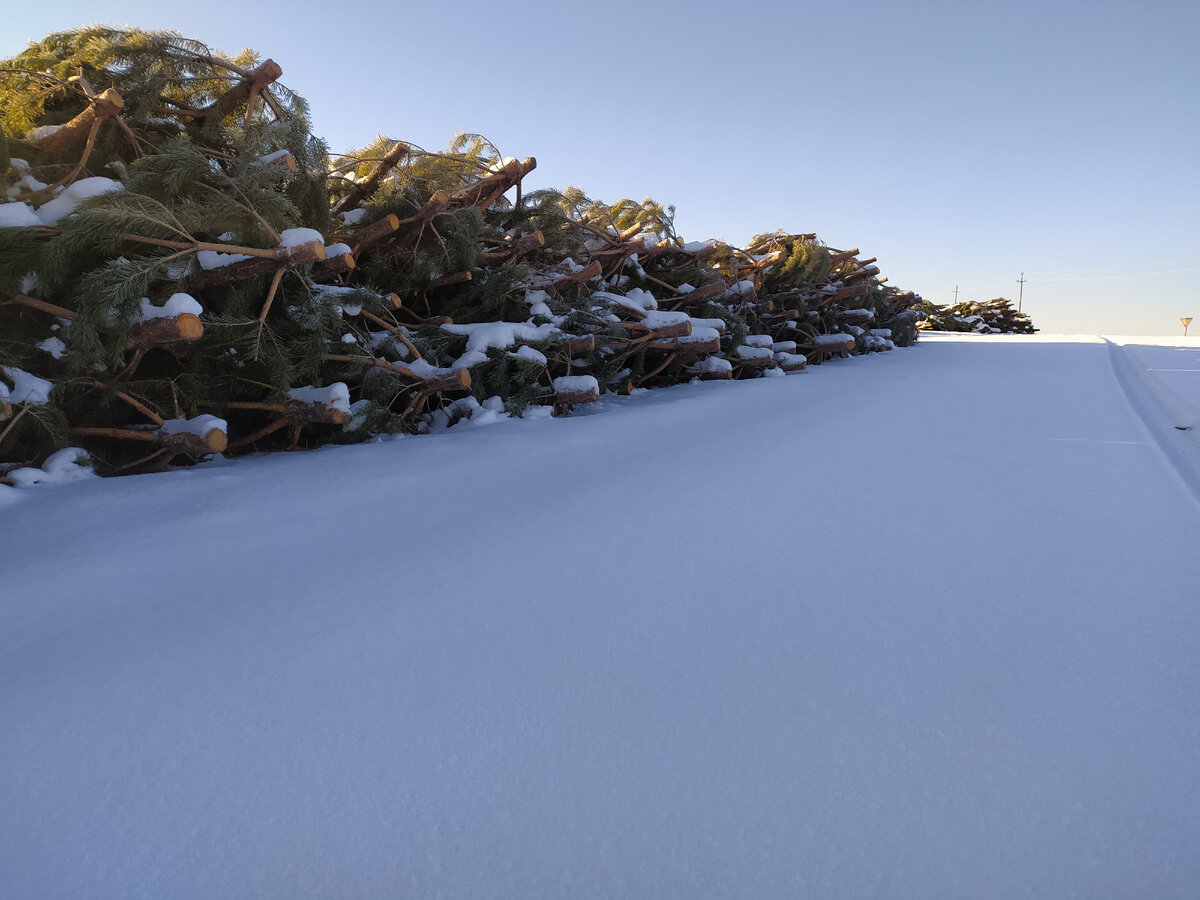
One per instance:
(1186, 320)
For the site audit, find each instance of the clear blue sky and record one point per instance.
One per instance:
(961, 143)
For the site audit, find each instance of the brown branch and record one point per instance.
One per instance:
(397, 333)
(514, 250)
(240, 94)
(165, 331)
(34, 303)
(261, 433)
(214, 441)
(297, 412)
(247, 206)
(449, 380)
(365, 188)
(327, 270)
(263, 253)
(406, 229)
(374, 232)
(487, 190)
(260, 267)
(13, 421)
(99, 110)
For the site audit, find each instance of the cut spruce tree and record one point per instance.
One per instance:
(989, 317)
(185, 270)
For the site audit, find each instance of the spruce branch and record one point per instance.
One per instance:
(12, 423)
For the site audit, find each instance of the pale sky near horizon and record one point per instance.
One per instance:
(960, 143)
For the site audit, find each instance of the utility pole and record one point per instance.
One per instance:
(1021, 296)
(956, 293)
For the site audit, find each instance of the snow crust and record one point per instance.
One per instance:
(200, 425)
(717, 325)
(68, 464)
(750, 352)
(27, 387)
(18, 215)
(272, 157)
(54, 346)
(575, 384)
(176, 305)
(41, 132)
(827, 339)
(211, 259)
(54, 211)
(335, 396)
(529, 354)
(715, 365)
(499, 335)
(296, 237)
(661, 319)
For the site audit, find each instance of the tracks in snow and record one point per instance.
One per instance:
(1173, 423)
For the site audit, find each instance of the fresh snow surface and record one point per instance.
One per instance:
(921, 624)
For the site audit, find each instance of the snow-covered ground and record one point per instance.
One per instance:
(920, 624)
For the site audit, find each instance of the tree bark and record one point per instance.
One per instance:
(166, 331)
(569, 398)
(444, 380)
(214, 441)
(375, 231)
(259, 267)
(406, 229)
(296, 412)
(487, 190)
(368, 185)
(711, 345)
(69, 136)
(513, 251)
(238, 95)
(326, 270)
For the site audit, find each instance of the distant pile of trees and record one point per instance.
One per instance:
(996, 316)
